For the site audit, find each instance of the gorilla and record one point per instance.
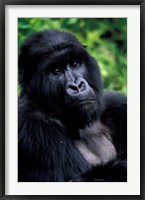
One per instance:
(69, 129)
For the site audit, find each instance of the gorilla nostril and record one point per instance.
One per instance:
(73, 87)
(81, 86)
(76, 88)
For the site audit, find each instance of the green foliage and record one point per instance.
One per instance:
(105, 38)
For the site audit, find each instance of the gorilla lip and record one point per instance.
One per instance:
(82, 102)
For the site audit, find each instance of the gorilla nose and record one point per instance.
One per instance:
(74, 88)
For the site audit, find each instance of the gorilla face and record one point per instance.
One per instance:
(57, 70)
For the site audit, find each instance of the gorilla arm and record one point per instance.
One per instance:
(107, 140)
(45, 151)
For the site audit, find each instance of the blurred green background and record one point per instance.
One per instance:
(105, 38)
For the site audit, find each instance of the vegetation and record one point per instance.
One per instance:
(105, 38)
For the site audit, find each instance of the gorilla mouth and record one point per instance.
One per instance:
(82, 102)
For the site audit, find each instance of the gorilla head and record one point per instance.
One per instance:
(57, 74)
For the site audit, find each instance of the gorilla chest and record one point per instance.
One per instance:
(96, 148)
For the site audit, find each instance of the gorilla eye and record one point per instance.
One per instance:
(75, 64)
(57, 71)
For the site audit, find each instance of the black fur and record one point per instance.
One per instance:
(60, 105)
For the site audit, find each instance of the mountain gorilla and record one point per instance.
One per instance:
(69, 130)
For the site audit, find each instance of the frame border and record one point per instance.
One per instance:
(3, 3)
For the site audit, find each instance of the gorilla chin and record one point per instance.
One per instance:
(84, 104)
(81, 102)
(83, 113)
